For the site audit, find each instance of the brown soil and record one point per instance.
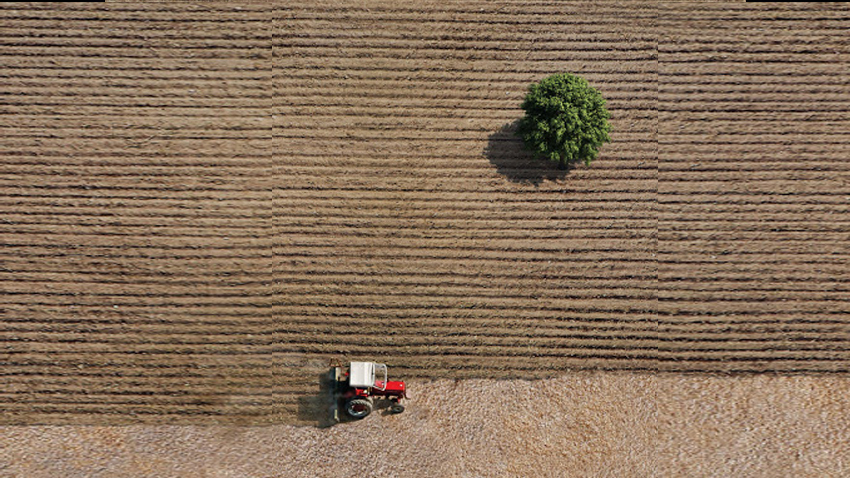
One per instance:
(583, 424)
(203, 203)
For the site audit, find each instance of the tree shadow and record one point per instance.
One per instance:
(505, 151)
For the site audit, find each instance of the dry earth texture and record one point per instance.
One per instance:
(203, 203)
(585, 424)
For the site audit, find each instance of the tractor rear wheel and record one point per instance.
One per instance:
(358, 407)
(397, 408)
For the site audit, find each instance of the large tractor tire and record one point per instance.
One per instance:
(358, 407)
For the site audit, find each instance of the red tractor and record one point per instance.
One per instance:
(358, 387)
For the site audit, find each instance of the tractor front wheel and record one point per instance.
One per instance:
(358, 407)
(397, 408)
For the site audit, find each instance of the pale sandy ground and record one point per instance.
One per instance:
(581, 425)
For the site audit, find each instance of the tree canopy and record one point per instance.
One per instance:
(565, 120)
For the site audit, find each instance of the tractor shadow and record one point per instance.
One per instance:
(506, 152)
(319, 408)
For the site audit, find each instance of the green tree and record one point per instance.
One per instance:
(565, 120)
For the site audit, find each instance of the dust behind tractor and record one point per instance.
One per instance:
(356, 389)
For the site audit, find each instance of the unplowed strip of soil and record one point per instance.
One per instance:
(604, 424)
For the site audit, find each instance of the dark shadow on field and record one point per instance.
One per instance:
(505, 151)
(318, 408)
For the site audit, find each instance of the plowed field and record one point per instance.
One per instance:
(136, 196)
(203, 203)
(754, 187)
